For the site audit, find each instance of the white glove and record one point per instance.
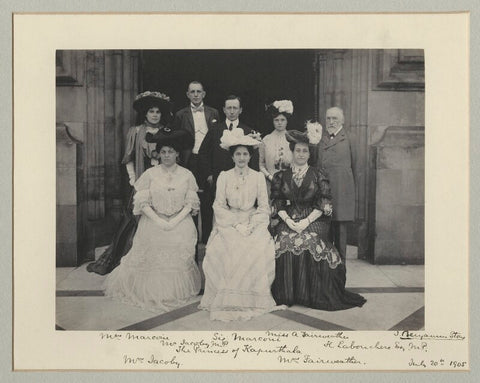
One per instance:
(245, 230)
(175, 221)
(165, 225)
(301, 225)
(283, 215)
(131, 173)
(291, 224)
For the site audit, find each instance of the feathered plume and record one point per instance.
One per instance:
(314, 132)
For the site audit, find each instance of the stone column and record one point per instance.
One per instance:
(338, 96)
(330, 81)
(111, 85)
(95, 93)
(69, 229)
(397, 196)
(358, 133)
(94, 138)
(121, 86)
(343, 82)
(320, 86)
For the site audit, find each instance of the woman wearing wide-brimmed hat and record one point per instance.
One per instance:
(159, 272)
(153, 116)
(154, 112)
(239, 263)
(308, 270)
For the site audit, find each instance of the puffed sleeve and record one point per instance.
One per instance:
(324, 194)
(262, 213)
(279, 200)
(223, 215)
(142, 195)
(191, 198)
(129, 155)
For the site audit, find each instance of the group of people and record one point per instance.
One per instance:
(271, 211)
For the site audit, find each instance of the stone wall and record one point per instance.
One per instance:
(377, 89)
(396, 158)
(69, 229)
(94, 96)
(397, 197)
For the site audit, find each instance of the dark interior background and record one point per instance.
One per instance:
(257, 76)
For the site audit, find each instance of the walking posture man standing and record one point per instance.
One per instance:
(197, 119)
(336, 157)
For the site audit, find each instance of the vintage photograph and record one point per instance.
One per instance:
(240, 189)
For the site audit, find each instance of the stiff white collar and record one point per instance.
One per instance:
(336, 132)
(235, 123)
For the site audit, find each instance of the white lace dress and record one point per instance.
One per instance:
(275, 154)
(239, 270)
(159, 273)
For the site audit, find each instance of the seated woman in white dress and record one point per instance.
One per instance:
(159, 273)
(239, 264)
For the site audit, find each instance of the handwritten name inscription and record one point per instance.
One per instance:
(288, 349)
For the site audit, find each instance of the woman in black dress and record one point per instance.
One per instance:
(308, 269)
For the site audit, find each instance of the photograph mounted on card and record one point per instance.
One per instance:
(174, 240)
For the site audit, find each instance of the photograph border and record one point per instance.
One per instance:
(424, 375)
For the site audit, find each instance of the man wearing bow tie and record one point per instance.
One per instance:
(336, 156)
(197, 119)
(213, 158)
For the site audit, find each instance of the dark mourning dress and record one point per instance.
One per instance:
(308, 268)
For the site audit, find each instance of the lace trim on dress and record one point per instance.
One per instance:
(170, 202)
(157, 290)
(297, 243)
(299, 173)
(171, 259)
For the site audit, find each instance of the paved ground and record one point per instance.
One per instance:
(395, 300)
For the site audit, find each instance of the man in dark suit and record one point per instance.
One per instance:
(213, 158)
(336, 156)
(197, 119)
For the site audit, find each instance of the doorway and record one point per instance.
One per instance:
(257, 76)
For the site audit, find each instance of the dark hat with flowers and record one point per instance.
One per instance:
(149, 99)
(175, 138)
(276, 108)
(311, 135)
